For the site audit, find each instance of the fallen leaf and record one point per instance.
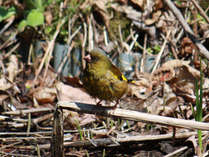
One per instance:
(69, 93)
(45, 95)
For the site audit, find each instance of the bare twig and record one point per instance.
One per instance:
(186, 27)
(144, 54)
(161, 52)
(116, 141)
(49, 51)
(11, 20)
(201, 11)
(177, 151)
(12, 50)
(84, 44)
(65, 58)
(42, 118)
(32, 110)
(4, 118)
(90, 33)
(133, 115)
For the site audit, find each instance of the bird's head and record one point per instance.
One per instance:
(95, 56)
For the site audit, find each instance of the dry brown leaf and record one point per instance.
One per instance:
(69, 93)
(179, 75)
(155, 17)
(158, 4)
(45, 95)
(187, 47)
(156, 106)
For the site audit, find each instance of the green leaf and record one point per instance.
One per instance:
(22, 25)
(157, 48)
(35, 18)
(6, 13)
(39, 5)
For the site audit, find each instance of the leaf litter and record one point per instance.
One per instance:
(27, 105)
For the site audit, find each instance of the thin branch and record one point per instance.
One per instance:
(49, 51)
(133, 115)
(143, 54)
(32, 110)
(90, 33)
(161, 52)
(186, 27)
(201, 11)
(114, 142)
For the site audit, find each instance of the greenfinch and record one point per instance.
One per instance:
(102, 79)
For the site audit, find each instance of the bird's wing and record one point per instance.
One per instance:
(116, 72)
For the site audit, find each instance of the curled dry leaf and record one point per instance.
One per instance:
(179, 75)
(12, 67)
(187, 47)
(45, 95)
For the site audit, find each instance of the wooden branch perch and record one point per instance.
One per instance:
(132, 115)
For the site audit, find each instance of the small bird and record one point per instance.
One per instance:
(102, 79)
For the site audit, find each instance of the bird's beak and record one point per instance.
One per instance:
(87, 58)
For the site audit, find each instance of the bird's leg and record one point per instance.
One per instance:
(116, 104)
(99, 103)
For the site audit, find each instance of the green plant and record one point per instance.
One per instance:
(103, 153)
(35, 14)
(6, 13)
(68, 12)
(155, 50)
(80, 131)
(198, 113)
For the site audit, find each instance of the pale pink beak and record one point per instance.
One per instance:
(87, 58)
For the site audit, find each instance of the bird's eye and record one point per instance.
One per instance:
(94, 58)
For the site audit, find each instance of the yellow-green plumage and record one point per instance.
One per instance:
(102, 79)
